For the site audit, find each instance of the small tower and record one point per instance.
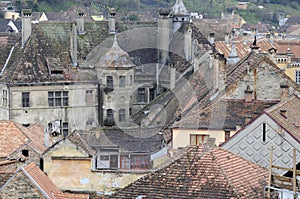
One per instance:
(180, 15)
(116, 71)
(26, 25)
(233, 57)
(112, 21)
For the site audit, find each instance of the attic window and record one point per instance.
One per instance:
(25, 153)
(56, 72)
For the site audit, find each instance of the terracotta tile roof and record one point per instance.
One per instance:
(286, 114)
(41, 180)
(224, 114)
(70, 196)
(36, 134)
(11, 137)
(201, 173)
(243, 48)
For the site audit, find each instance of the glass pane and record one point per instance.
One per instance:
(58, 102)
(57, 94)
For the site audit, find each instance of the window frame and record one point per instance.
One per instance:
(122, 81)
(141, 95)
(4, 98)
(297, 76)
(122, 115)
(25, 99)
(199, 137)
(109, 81)
(58, 98)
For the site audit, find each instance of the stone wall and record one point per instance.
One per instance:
(20, 187)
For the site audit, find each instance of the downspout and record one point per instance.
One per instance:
(9, 101)
(100, 105)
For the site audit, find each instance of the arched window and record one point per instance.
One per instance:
(122, 115)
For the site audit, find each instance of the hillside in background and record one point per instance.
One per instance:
(265, 11)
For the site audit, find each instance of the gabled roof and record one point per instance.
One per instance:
(77, 140)
(286, 114)
(40, 180)
(140, 140)
(250, 62)
(201, 173)
(12, 136)
(224, 115)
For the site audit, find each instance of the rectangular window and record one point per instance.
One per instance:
(113, 161)
(122, 81)
(89, 92)
(125, 162)
(25, 99)
(297, 76)
(141, 95)
(139, 162)
(131, 80)
(109, 82)
(122, 115)
(198, 139)
(58, 98)
(65, 129)
(4, 98)
(104, 157)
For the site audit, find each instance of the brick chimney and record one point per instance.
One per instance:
(284, 88)
(73, 45)
(188, 44)
(248, 95)
(80, 22)
(26, 25)
(245, 35)
(211, 38)
(227, 38)
(172, 77)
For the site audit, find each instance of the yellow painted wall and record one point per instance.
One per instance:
(181, 137)
(77, 175)
(291, 72)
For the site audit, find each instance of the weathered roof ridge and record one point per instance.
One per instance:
(79, 141)
(40, 180)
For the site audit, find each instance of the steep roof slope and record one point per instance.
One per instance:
(201, 172)
(11, 137)
(40, 179)
(286, 114)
